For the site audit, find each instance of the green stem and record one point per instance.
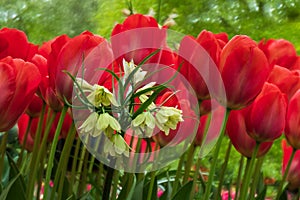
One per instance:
(224, 167)
(190, 159)
(2, 153)
(79, 169)
(33, 161)
(152, 181)
(248, 174)
(83, 176)
(91, 165)
(74, 166)
(63, 162)
(107, 184)
(53, 149)
(215, 157)
(99, 178)
(115, 185)
(158, 10)
(196, 173)
(19, 162)
(238, 180)
(279, 191)
(257, 170)
(178, 175)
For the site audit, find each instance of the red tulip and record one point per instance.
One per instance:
(71, 57)
(287, 81)
(35, 107)
(280, 52)
(46, 90)
(244, 69)
(137, 38)
(237, 131)
(211, 48)
(292, 127)
(14, 43)
(293, 176)
(19, 81)
(265, 118)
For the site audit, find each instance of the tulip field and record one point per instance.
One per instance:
(121, 100)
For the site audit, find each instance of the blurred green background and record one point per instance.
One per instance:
(44, 19)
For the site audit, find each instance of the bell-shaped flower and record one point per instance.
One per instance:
(167, 118)
(116, 146)
(144, 124)
(89, 125)
(129, 67)
(99, 95)
(107, 124)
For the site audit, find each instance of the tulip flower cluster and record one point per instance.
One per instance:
(97, 118)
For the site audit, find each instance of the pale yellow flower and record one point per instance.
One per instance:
(138, 76)
(99, 95)
(167, 118)
(116, 146)
(89, 125)
(107, 124)
(144, 123)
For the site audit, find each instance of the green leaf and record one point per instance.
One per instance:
(168, 192)
(138, 190)
(111, 72)
(154, 190)
(17, 190)
(148, 57)
(127, 186)
(262, 194)
(147, 103)
(6, 191)
(184, 192)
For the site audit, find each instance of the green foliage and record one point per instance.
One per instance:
(43, 20)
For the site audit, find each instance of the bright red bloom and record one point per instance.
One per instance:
(287, 81)
(212, 48)
(293, 176)
(244, 69)
(139, 36)
(280, 52)
(35, 107)
(19, 81)
(14, 43)
(292, 127)
(71, 58)
(265, 118)
(237, 131)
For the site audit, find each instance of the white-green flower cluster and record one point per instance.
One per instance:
(100, 121)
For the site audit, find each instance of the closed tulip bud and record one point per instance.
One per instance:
(292, 127)
(237, 132)
(279, 52)
(287, 81)
(244, 69)
(266, 116)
